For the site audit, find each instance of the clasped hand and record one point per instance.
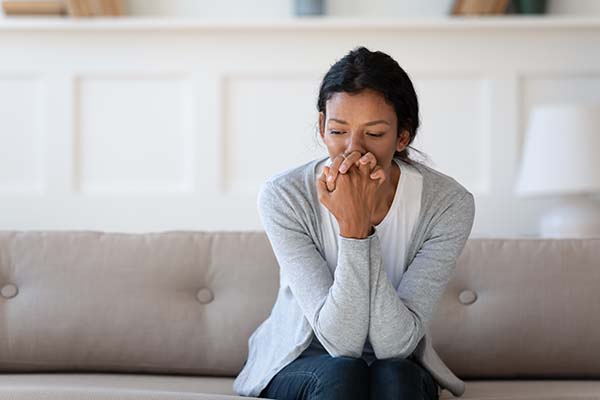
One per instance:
(348, 189)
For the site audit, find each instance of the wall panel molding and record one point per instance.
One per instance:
(23, 155)
(149, 124)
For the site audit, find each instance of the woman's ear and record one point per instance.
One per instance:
(321, 124)
(403, 140)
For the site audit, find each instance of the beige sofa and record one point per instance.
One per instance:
(167, 315)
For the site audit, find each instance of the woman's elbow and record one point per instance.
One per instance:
(383, 351)
(385, 354)
(342, 347)
(353, 353)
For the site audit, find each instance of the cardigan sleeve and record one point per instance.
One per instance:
(399, 318)
(337, 308)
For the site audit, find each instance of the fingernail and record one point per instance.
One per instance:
(343, 169)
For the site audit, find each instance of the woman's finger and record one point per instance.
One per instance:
(378, 173)
(330, 184)
(352, 158)
(370, 159)
(322, 188)
(333, 171)
(364, 169)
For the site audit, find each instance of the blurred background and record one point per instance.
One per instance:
(154, 115)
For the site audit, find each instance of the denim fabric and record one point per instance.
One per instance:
(318, 376)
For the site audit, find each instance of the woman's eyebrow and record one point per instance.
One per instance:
(379, 121)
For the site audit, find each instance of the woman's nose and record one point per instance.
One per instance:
(355, 143)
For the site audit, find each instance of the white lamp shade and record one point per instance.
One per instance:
(561, 154)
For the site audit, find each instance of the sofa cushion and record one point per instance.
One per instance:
(175, 383)
(181, 302)
(528, 390)
(169, 302)
(139, 386)
(118, 385)
(27, 393)
(522, 308)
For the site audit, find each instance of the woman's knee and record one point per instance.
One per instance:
(342, 378)
(401, 377)
(396, 367)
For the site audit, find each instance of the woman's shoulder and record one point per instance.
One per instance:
(291, 174)
(294, 185)
(297, 178)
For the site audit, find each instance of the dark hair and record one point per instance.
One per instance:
(363, 69)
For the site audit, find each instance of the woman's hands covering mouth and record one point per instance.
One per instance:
(341, 165)
(348, 190)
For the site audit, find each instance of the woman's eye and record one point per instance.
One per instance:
(368, 133)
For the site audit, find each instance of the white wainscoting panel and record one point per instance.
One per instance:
(133, 134)
(448, 128)
(22, 134)
(274, 112)
(153, 124)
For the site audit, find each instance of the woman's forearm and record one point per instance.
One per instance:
(342, 324)
(393, 330)
(336, 307)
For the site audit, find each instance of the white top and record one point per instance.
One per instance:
(395, 232)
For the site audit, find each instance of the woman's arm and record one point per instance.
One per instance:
(337, 308)
(398, 319)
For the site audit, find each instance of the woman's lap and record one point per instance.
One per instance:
(324, 377)
(397, 378)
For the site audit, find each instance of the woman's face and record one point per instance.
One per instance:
(361, 122)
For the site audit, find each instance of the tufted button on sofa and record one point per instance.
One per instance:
(467, 297)
(205, 295)
(9, 290)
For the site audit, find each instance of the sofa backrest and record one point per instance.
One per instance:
(174, 302)
(184, 302)
(522, 308)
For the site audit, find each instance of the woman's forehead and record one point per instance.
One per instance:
(363, 114)
(364, 102)
(367, 95)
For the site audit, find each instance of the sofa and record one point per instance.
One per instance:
(167, 315)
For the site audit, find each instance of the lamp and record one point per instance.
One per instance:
(561, 158)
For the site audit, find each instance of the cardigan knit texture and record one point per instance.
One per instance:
(357, 301)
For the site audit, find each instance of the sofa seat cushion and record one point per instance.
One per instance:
(105, 394)
(101, 386)
(528, 390)
(107, 385)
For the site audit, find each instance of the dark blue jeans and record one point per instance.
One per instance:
(322, 377)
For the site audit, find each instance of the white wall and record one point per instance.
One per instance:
(157, 125)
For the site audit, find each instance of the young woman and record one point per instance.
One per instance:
(366, 240)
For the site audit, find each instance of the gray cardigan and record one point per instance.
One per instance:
(358, 300)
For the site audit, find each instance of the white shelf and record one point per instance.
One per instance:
(299, 23)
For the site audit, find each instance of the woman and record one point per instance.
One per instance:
(366, 240)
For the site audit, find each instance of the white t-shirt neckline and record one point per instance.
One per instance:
(396, 199)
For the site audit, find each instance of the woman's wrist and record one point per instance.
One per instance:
(355, 232)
